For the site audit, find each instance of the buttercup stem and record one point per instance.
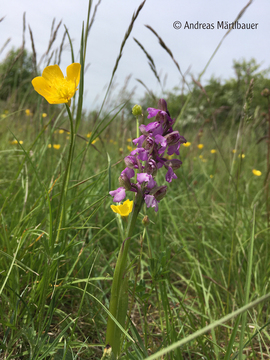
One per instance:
(67, 174)
(119, 273)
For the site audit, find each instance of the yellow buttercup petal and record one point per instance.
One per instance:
(51, 72)
(73, 73)
(114, 209)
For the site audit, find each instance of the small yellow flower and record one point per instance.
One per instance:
(187, 144)
(129, 148)
(124, 209)
(121, 150)
(201, 157)
(67, 138)
(241, 156)
(257, 172)
(111, 141)
(211, 176)
(213, 151)
(44, 115)
(49, 146)
(89, 134)
(14, 142)
(129, 140)
(233, 151)
(61, 131)
(200, 146)
(27, 112)
(56, 146)
(56, 88)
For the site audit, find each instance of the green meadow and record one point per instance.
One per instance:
(195, 284)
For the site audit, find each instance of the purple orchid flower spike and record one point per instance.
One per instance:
(157, 141)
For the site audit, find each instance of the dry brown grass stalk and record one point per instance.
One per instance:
(61, 47)
(53, 37)
(165, 47)
(34, 56)
(93, 17)
(134, 17)
(151, 61)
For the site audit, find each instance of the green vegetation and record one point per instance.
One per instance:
(199, 272)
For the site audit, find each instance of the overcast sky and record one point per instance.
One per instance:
(190, 47)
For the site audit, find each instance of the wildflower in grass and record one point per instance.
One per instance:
(49, 146)
(44, 115)
(27, 112)
(61, 131)
(242, 156)
(124, 209)
(157, 139)
(213, 151)
(211, 176)
(56, 88)
(67, 137)
(233, 151)
(14, 142)
(200, 157)
(129, 140)
(256, 172)
(56, 146)
(187, 144)
(200, 146)
(111, 141)
(130, 148)
(89, 134)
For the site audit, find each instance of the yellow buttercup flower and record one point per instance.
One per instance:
(124, 209)
(187, 144)
(201, 157)
(213, 151)
(49, 146)
(61, 131)
(241, 156)
(257, 172)
(56, 146)
(44, 115)
(233, 151)
(129, 148)
(14, 142)
(89, 135)
(211, 176)
(56, 88)
(200, 146)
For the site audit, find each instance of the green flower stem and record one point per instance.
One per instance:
(66, 177)
(112, 335)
